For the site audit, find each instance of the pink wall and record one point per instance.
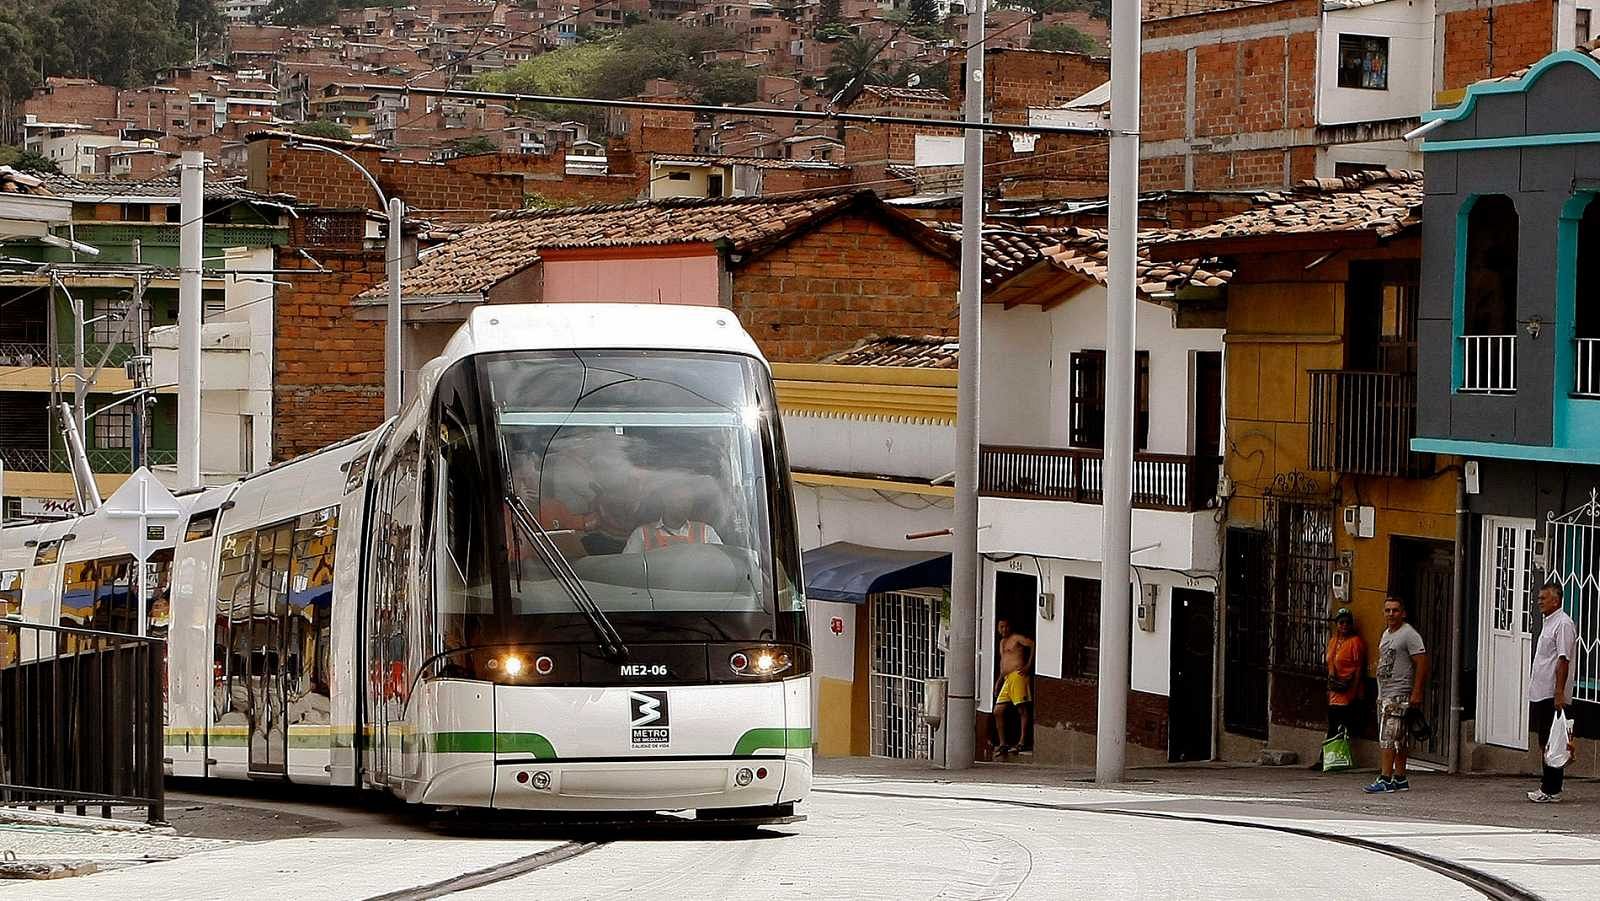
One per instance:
(677, 279)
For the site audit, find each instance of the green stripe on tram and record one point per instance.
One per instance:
(531, 743)
(764, 739)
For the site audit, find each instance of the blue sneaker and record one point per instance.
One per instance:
(1400, 785)
(1379, 786)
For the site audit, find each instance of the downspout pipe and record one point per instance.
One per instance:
(1458, 611)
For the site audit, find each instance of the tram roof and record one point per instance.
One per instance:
(562, 326)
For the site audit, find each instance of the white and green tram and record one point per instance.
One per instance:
(564, 578)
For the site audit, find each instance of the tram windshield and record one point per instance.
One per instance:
(656, 475)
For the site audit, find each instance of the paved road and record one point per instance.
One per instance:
(871, 837)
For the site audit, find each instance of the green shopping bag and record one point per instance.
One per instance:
(1336, 754)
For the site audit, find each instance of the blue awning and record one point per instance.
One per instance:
(842, 571)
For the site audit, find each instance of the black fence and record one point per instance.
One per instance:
(82, 717)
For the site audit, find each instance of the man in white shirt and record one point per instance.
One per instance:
(674, 526)
(1550, 689)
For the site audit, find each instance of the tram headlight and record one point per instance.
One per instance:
(760, 662)
(512, 665)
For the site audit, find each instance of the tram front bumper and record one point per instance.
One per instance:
(649, 785)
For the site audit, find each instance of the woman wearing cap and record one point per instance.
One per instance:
(1347, 662)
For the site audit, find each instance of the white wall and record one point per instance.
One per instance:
(1171, 540)
(911, 450)
(1409, 25)
(1151, 654)
(826, 514)
(1391, 154)
(1017, 375)
(1027, 392)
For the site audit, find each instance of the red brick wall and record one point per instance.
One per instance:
(1073, 704)
(1017, 79)
(327, 367)
(848, 279)
(784, 181)
(545, 177)
(71, 100)
(1492, 41)
(1246, 14)
(321, 179)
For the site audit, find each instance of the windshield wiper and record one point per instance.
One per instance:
(611, 646)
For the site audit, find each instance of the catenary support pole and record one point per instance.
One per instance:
(1458, 613)
(393, 365)
(191, 235)
(139, 371)
(960, 720)
(1116, 601)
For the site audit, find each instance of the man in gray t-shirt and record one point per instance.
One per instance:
(1402, 671)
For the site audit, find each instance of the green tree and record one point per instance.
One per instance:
(472, 146)
(27, 160)
(723, 84)
(923, 12)
(302, 12)
(855, 61)
(321, 128)
(1063, 37)
(201, 17)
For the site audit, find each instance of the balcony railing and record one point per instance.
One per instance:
(1362, 423)
(1587, 379)
(40, 459)
(1489, 364)
(14, 353)
(1160, 481)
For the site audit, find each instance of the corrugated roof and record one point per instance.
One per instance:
(105, 190)
(910, 351)
(1382, 202)
(485, 255)
(758, 162)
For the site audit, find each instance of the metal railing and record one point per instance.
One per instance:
(41, 459)
(82, 717)
(28, 353)
(1586, 381)
(1362, 423)
(1489, 364)
(1160, 481)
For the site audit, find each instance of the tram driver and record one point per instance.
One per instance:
(674, 526)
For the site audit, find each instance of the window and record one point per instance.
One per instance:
(10, 592)
(1363, 62)
(1581, 24)
(1088, 374)
(113, 429)
(107, 325)
(1080, 613)
(1488, 283)
(714, 185)
(201, 525)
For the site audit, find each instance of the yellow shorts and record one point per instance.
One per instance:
(1014, 690)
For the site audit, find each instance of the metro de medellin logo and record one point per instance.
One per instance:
(649, 715)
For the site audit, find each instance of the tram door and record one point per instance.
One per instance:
(269, 743)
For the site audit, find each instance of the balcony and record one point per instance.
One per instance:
(13, 353)
(1586, 381)
(1489, 364)
(1171, 482)
(101, 460)
(1362, 423)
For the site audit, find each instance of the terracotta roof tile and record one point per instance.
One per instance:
(15, 181)
(911, 351)
(906, 95)
(1083, 252)
(1007, 250)
(483, 256)
(1385, 202)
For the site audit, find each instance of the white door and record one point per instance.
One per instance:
(1505, 631)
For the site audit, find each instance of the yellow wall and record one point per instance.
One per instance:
(1284, 320)
(835, 717)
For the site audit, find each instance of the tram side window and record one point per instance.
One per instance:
(47, 553)
(158, 588)
(402, 525)
(115, 608)
(310, 616)
(77, 601)
(463, 584)
(201, 525)
(232, 603)
(10, 592)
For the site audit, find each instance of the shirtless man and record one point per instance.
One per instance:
(1016, 663)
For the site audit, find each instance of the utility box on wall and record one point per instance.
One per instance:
(1361, 522)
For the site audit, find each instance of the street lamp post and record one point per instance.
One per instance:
(396, 208)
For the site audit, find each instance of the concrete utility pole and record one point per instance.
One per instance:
(139, 364)
(191, 238)
(1116, 601)
(960, 719)
(392, 379)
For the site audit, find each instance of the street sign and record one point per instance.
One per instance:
(140, 513)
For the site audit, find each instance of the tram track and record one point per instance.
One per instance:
(512, 869)
(1486, 884)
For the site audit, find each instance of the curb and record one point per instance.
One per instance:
(17, 817)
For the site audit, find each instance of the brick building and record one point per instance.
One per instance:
(1267, 94)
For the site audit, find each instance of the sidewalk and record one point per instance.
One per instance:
(1434, 797)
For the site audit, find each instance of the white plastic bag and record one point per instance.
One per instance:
(1555, 750)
